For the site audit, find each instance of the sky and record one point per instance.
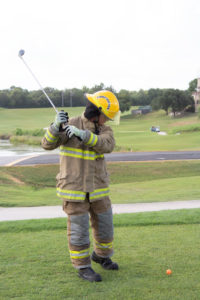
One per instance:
(129, 44)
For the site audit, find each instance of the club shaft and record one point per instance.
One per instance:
(42, 89)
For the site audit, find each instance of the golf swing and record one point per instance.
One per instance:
(82, 181)
(83, 184)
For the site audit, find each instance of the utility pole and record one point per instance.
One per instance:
(62, 99)
(71, 94)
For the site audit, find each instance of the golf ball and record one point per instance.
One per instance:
(168, 272)
(21, 52)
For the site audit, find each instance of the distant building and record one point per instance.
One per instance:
(142, 110)
(196, 96)
(136, 112)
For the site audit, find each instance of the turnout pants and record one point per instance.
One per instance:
(100, 214)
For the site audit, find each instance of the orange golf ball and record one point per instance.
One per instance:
(168, 272)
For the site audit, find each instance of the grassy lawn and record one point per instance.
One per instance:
(133, 133)
(129, 183)
(34, 261)
(33, 118)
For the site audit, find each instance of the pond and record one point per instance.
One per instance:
(8, 149)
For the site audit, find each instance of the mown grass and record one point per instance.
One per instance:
(30, 119)
(129, 183)
(186, 128)
(133, 133)
(35, 264)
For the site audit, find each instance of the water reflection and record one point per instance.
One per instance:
(8, 149)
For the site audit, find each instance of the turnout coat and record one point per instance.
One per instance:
(82, 163)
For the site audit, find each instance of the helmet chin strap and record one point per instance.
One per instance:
(96, 124)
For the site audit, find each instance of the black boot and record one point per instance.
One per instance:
(106, 262)
(89, 274)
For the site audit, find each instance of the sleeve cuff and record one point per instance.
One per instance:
(91, 139)
(51, 136)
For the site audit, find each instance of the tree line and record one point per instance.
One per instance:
(167, 99)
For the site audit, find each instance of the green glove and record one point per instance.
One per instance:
(61, 118)
(72, 130)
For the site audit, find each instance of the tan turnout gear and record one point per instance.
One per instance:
(78, 230)
(83, 185)
(82, 165)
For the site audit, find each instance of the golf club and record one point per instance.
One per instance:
(20, 54)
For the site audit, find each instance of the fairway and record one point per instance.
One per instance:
(35, 262)
(133, 133)
(129, 183)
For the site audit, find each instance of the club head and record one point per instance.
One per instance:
(21, 53)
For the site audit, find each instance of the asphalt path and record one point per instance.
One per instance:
(46, 212)
(49, 158)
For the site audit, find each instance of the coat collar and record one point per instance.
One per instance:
(87, 124)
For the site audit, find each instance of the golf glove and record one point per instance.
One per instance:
(61, 118)
(72, 130)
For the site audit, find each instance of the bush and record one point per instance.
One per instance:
(18, 131)
(36, 132)
(25, 139)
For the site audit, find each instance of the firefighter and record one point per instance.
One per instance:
(83, 182)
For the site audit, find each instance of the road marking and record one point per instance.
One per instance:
(21, 159)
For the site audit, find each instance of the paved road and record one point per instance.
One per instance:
(49, 158)
(47, 212)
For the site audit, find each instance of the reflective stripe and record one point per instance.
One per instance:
(79, 254)
(106, 100)
(99, 193)
(78, 195)
(79, 153)
(104, 246)
(73, 195)
(93, 140)
(50, 137)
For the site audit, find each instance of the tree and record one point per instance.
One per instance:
(192, 85)
(4, 98)
(78, 97)
(97, 88)
(177, 100)
(156, 103)
(166, 100)
(133, 98)
(142, 98)
(181, 101)
(154, 94)
(124, 100)
(19, 98)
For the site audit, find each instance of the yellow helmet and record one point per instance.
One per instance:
(106, 102)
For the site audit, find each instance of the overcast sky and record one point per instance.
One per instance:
(129, 44)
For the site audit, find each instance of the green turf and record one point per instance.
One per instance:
(129, 183)
(133, 133)
(160, 190)
(34, 261)
(120, 172)
(29, 119)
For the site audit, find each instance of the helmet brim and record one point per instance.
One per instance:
(92, 100)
